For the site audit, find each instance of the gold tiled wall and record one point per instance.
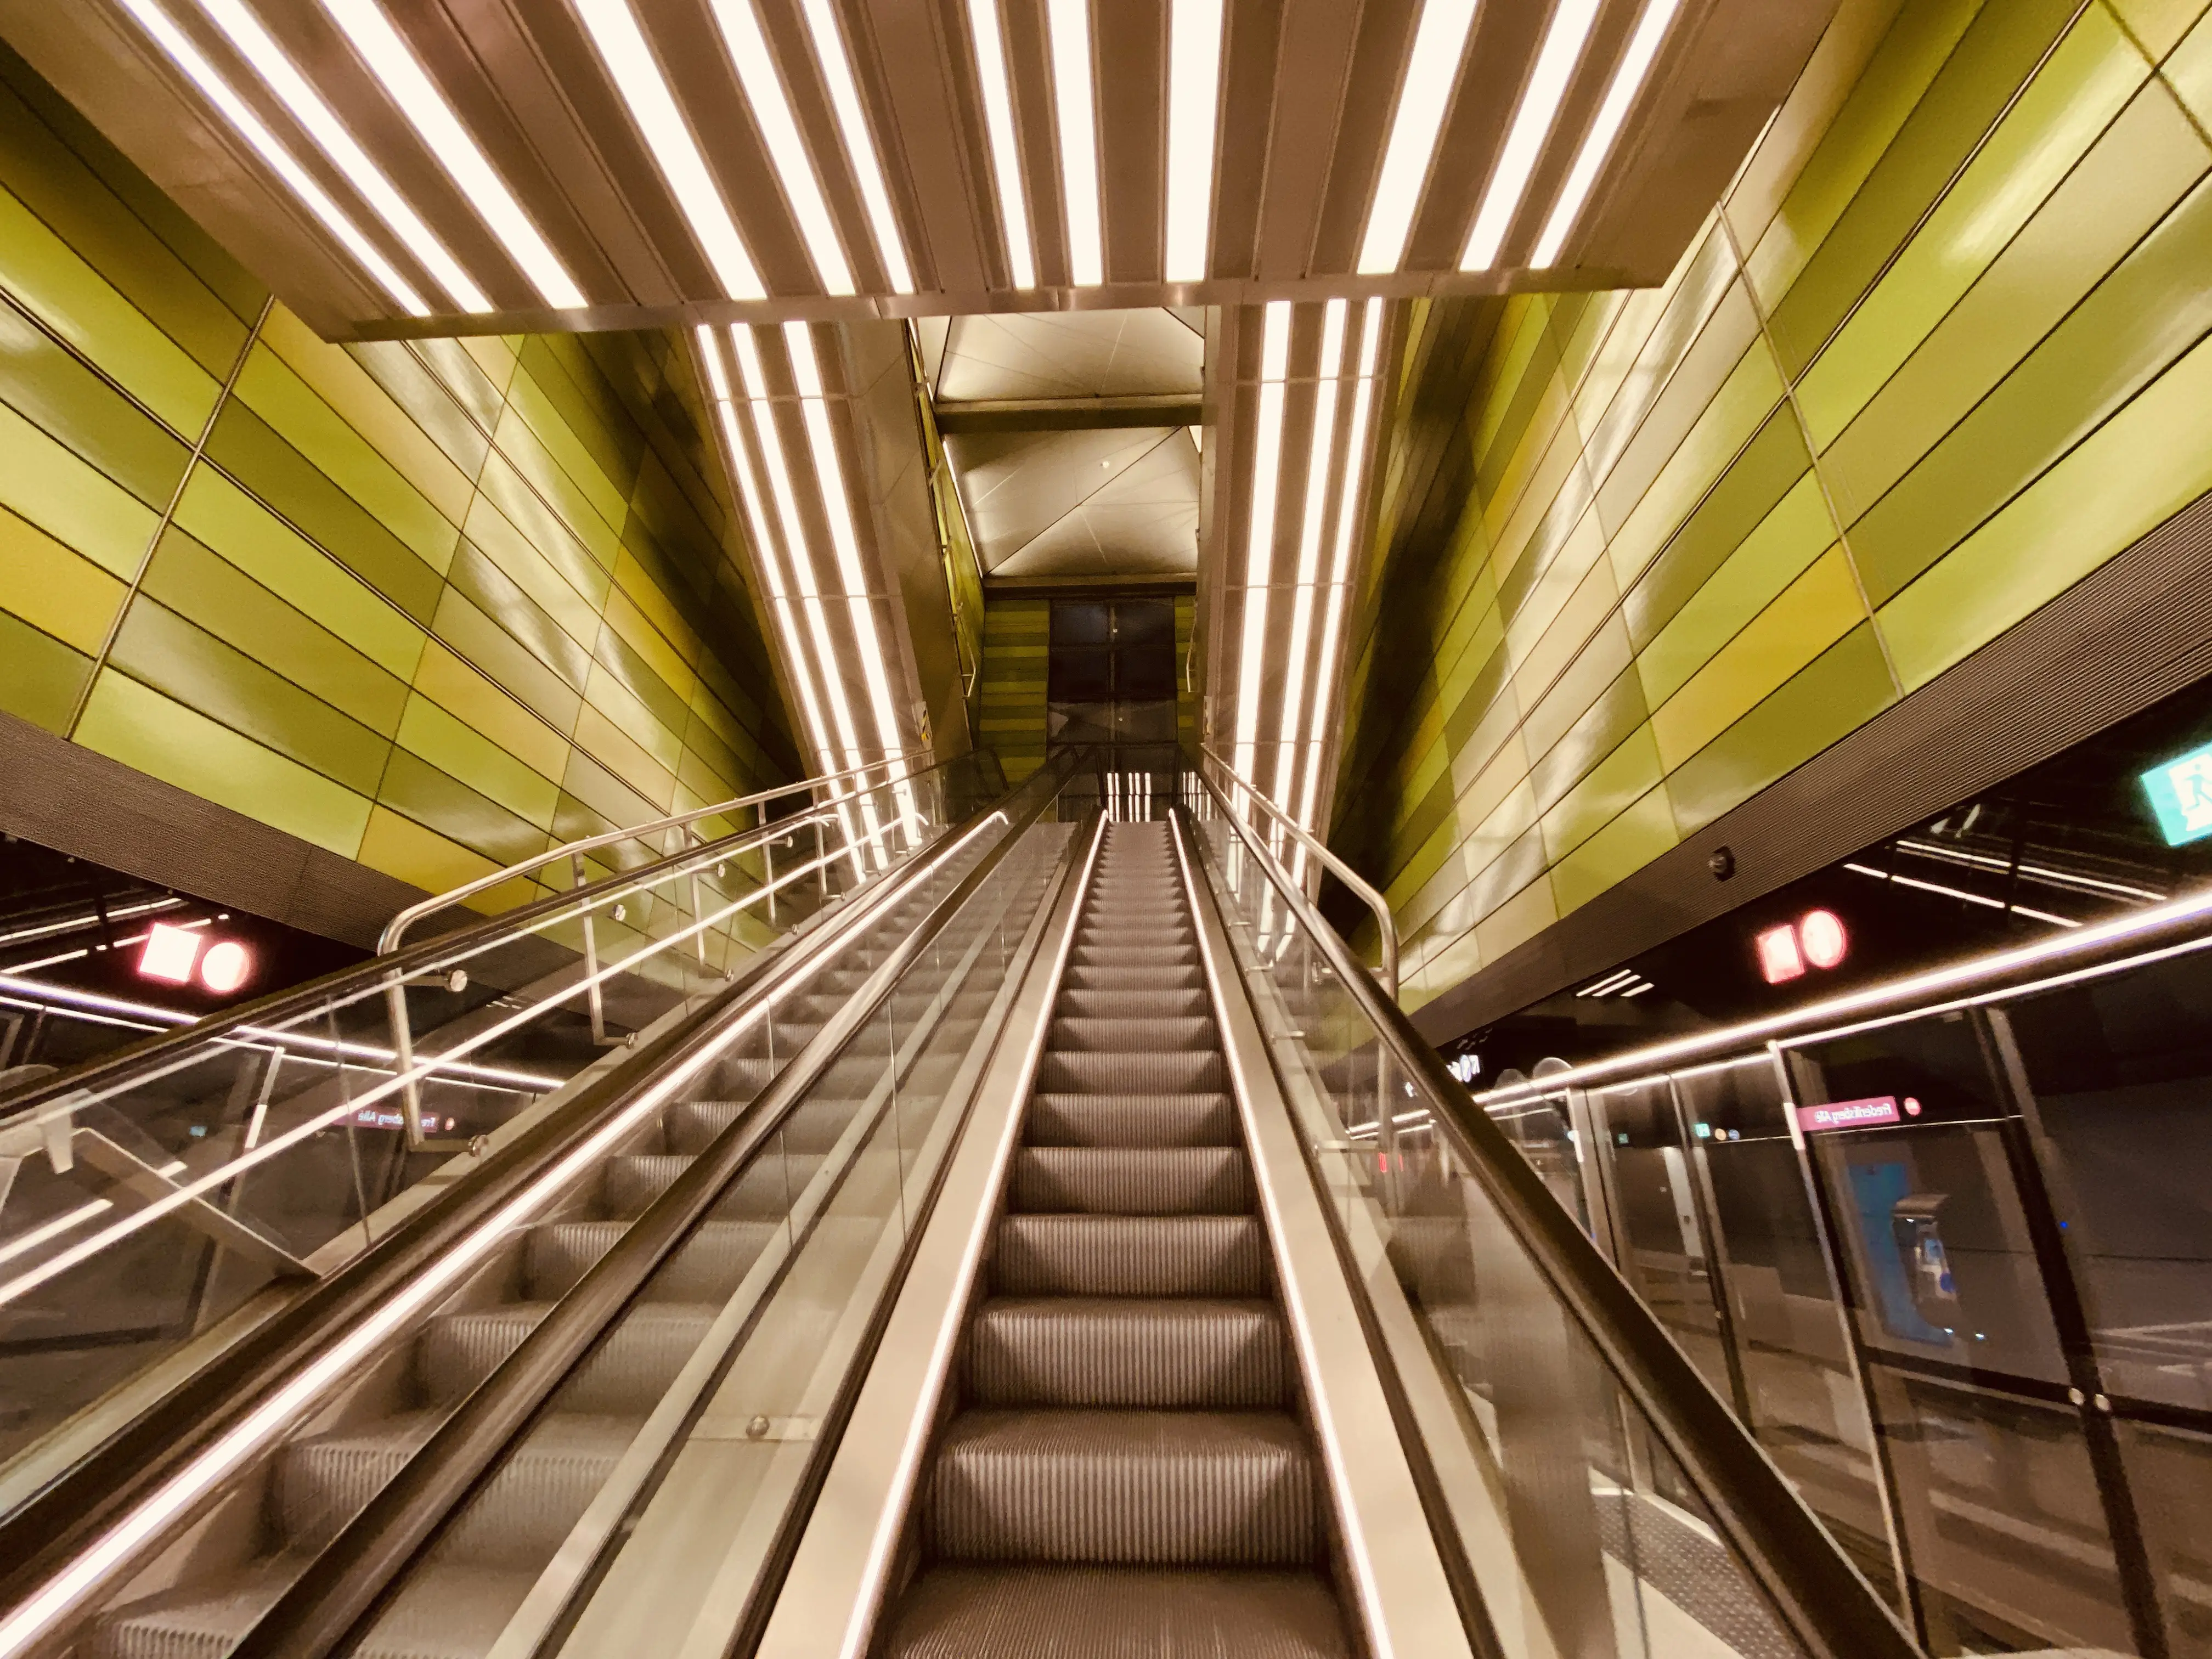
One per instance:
(1016, 648)
(1938, 356)
(431, 607)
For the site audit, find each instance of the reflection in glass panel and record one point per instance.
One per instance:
(1655, 1210)
(2003, 1523)
(2118, 1070)
(1792, 1347)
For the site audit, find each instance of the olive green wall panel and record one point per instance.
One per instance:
(1941, 354)
(1017, 646)
(427, 606)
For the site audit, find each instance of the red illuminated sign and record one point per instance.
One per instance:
(1816, 939)
(172, 954)
(1850, 1114)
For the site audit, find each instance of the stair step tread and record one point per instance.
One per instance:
(1232, 1487)
(954, 1611)
(1162, 1351)
(1132, 1255)
(1195, 1119)
(1152, 1181)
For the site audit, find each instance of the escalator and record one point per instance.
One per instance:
(1129, 1458)
(1057, 1244)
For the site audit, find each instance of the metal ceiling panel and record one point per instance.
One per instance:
(760, 160)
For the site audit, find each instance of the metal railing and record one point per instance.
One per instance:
(1385, 928)
(574, 853)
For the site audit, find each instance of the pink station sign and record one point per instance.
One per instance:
(1851, 1113)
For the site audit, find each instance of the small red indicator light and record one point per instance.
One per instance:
(1821, 935)
(1778, 957)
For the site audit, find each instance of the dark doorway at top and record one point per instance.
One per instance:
(1111, 679)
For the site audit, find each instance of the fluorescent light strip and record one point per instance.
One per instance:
(755, 67)
(806, 370)
(1960, 893)
(794, 537)
(1439, 42)
(860, 147)
(629, 61)
(2044, 872)
(749, 488)
(254, 43)
(1347, 525)
(120, 913)
(1627, 81)
(396, 69)
(1260, 544)
(1612, 981)
(1562, 50)
(1005, 152)
(1318, 457)
(1070, 23)
(254, 1036)
(136, 1219)
(1195, 29)
(217, 91)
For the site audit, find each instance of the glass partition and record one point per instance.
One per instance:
(1957, 1280)
(735, 1340)
(1583, 1533)
(159, 1198)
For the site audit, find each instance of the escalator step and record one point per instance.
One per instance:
(1157, 975)
(1063, 1072)
(1132, 1255)
(1128, 1351)
(1133, 1180)
(1115, 1613)
(1155, 1487)
(705, 1268)
(1079, 1035)
(1137, 1003)
(1104, 1120)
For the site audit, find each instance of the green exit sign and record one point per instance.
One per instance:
(2180, 793)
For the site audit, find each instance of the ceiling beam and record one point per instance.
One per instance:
(1069, 414)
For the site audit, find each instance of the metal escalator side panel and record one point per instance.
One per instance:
(1404, 1595)
(830, 1596)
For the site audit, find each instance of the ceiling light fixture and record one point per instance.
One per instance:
(780, 599)
(254, 43)
(1006, 153)
(1260, 544)
(829, 473)
(837, 67)
(787, 152)
(187, 57)
(794, 536)
(1563, 40)
(1339, 576)
(1194, 105)
(1627, 81)
(1439, 42)
(629, 61)
(1318, 455)
(404, 79)
(1070, 32)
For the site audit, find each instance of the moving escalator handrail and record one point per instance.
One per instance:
(1385, 927)
(1829, 1606)
(396, 930)
(82, 1502)
(109, 1072)
(338, 1596)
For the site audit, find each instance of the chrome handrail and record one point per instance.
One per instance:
(1387, 971)
(389, 940)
